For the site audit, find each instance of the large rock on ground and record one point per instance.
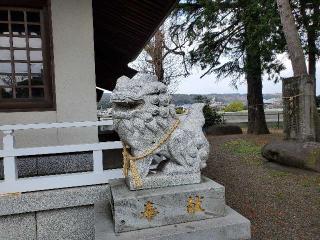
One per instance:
(296, 154)
(223, 130)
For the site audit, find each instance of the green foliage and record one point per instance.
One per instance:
(310, 181)
(222, 31)
(180, 110)
(307, 15)
(242, 148)
(279, 174)
(211, 116)
(235, 106)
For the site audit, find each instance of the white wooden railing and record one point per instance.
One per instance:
(13, 184)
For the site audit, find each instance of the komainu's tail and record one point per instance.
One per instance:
(194, 122)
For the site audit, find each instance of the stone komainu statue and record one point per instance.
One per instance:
(159, 148)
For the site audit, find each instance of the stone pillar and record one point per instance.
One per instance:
(300, 118)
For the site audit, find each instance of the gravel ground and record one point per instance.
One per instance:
(281, 202)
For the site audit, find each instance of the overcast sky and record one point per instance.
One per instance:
(208, 84)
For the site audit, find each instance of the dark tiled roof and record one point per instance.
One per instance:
(121, 30)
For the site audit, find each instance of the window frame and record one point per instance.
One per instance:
(48, 102)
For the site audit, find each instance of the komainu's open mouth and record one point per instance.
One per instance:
(128, 104)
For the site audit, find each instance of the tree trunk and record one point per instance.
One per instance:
(158, 54)
(253, 69)
(293, 41)
(313, 48)
(300, 115)
(256, 117)
(311, 26)
(312, 51)
(155, 50)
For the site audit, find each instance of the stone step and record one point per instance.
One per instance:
(133, 210)
(232, 226)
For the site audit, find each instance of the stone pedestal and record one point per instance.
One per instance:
(52, 214)
(195, 211)
(231, 227)
(161, 180)
(133, 210)
(299, 108)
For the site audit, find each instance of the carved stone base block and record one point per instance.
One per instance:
(299, 109)
(161, 180)
(133, 210)
(233, 226)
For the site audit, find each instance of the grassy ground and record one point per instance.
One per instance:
(281, 202)
(271, 125)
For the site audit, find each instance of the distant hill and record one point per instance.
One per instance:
(182, 99)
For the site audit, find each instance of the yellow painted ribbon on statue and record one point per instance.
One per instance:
(129, 161)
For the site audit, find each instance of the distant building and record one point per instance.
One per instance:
(273, 103)
(216, 104)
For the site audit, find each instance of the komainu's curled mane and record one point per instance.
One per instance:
(147, 123)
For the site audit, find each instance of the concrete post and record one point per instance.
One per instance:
(9, 163)
(299, 109)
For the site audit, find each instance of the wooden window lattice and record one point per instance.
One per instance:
(24, 61)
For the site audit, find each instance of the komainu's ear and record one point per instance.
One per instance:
(122, 81)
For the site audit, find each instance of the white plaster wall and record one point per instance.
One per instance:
(31, 138)
(72, 27)
(75, 70)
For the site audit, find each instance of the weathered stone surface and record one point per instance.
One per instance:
(296, 154)
(54, 164)
(66, 209)
(70, 223)
(64, 163)
(52, 199)
(170, 205)
(233, 226)
(300, 117)
(143, 117)
(164, 180)
(18, 227)
(223, 130)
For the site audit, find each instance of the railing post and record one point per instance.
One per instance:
(97, 161)
(278, 120)
(9, 163)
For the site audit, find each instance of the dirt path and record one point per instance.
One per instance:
(282, 203)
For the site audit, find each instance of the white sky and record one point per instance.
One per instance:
(208, 84)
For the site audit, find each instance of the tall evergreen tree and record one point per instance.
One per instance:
(235, 38)
(307, 15)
